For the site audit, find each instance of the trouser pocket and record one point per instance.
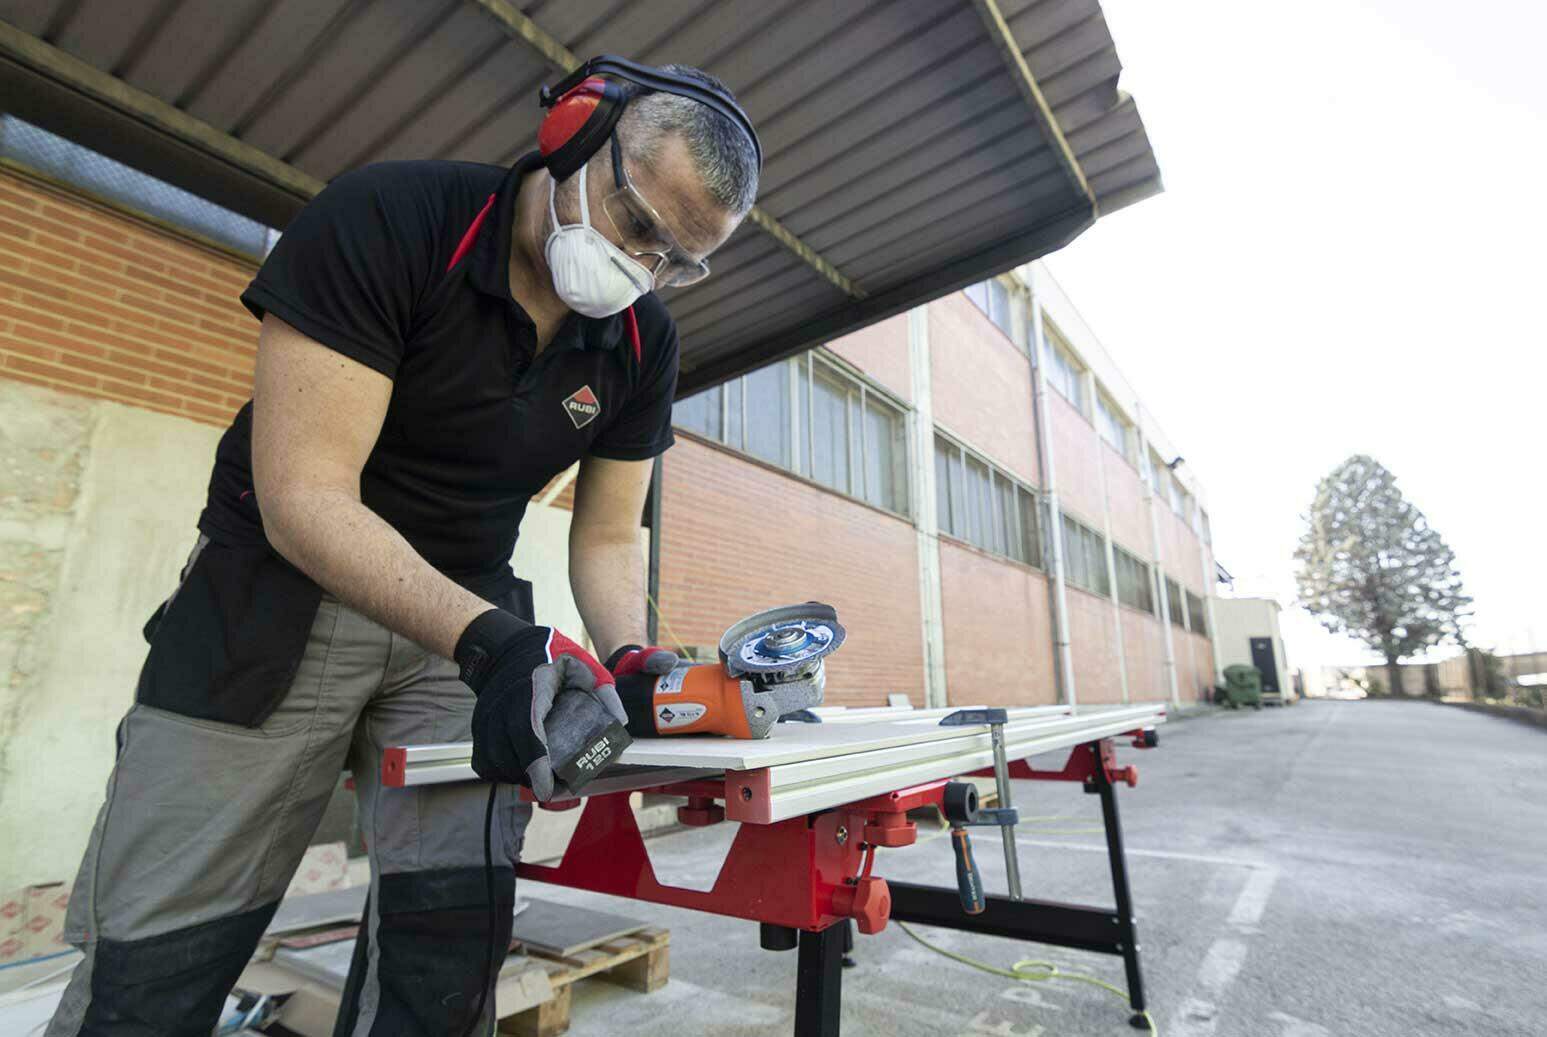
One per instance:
(227, 645)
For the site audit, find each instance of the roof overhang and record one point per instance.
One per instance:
(911, 149)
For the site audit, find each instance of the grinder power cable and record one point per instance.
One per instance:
(770, 666)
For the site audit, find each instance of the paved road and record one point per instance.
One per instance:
(1360, 869)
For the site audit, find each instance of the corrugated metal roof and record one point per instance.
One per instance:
(900, 144)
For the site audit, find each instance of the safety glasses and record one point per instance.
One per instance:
(643, 235)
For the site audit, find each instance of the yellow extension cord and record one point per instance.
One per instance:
(1029, 970)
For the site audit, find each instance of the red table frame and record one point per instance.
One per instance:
(801, 876)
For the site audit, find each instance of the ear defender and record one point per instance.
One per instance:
(578, 123)
(583, 108)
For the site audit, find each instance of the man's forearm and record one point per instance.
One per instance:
(607, 576)
(352, 552)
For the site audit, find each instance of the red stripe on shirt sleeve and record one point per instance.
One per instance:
(631, 324)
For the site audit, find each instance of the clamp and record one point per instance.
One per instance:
(1005, 815)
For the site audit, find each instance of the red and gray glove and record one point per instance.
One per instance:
(632, 659)
(524, 677)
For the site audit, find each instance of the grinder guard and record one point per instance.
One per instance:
(770, 666)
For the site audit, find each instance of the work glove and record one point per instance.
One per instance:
(536, 689)
(631, 659)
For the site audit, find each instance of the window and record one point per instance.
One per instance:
(703, 413)
(1178, 496)
(1085, 558)
(1203, 526)
(1133, 582)
(1160, 475)
(978, 503)
(1197, 619)
(1064, 373)
(978, 293)
(830, 433)
(1114, 428)
(37, 149)
(767, 403)
(885, 455)
(814, 419)
(1174, 603)
(993, 298)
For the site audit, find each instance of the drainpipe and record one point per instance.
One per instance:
(1063, 657)
(1206, 556)
(926, 521)
(1151, 493)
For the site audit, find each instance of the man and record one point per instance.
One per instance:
(439, 340)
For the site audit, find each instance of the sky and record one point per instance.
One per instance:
(1348, 258)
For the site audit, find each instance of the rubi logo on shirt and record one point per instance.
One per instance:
(582, 406)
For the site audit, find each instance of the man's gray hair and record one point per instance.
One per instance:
(719, 148)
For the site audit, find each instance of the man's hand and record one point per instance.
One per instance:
(632, 659)
(524, 676)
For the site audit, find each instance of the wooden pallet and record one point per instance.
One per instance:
(640, 961)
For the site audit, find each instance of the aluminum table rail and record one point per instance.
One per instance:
(803, 768)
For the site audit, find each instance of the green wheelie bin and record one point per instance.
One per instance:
(1243, 686)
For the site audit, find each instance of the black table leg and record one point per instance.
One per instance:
(1127, 935)
(819, 982)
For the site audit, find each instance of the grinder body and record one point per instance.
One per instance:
(694, 699)
(770, 666)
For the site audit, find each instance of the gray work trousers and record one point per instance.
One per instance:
(205, 823)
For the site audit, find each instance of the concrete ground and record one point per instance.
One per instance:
(1335, 868)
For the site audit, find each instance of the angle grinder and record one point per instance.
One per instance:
(770, 665)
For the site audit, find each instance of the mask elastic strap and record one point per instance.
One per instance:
(585, 210)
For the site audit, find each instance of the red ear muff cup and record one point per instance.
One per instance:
(569, 114)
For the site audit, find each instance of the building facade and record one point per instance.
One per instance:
(978, 491)
(972, 484)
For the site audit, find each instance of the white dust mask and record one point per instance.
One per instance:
(593, 276)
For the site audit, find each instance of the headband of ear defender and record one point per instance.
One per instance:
(584, 107)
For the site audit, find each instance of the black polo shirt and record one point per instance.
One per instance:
(403, 267)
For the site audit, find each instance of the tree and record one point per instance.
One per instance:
(1372, 568)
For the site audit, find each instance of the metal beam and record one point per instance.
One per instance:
(70, 73)
(999, 32)
(563, 60)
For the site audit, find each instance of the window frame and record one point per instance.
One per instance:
(1146, 584)
(1177, 615)
(1106, 408)
(1197, 619)
(957, 457)
(989, 293)
(860, 396)
(1088, 539)
(1060, 355)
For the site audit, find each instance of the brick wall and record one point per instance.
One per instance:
(1075, 447)
(1144, 656)
(982, 386)
(1125, 503)
(998, 635)
(881, 351)
(1093, 638)
(98, 303)
(1201, 680)
(739, 537)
